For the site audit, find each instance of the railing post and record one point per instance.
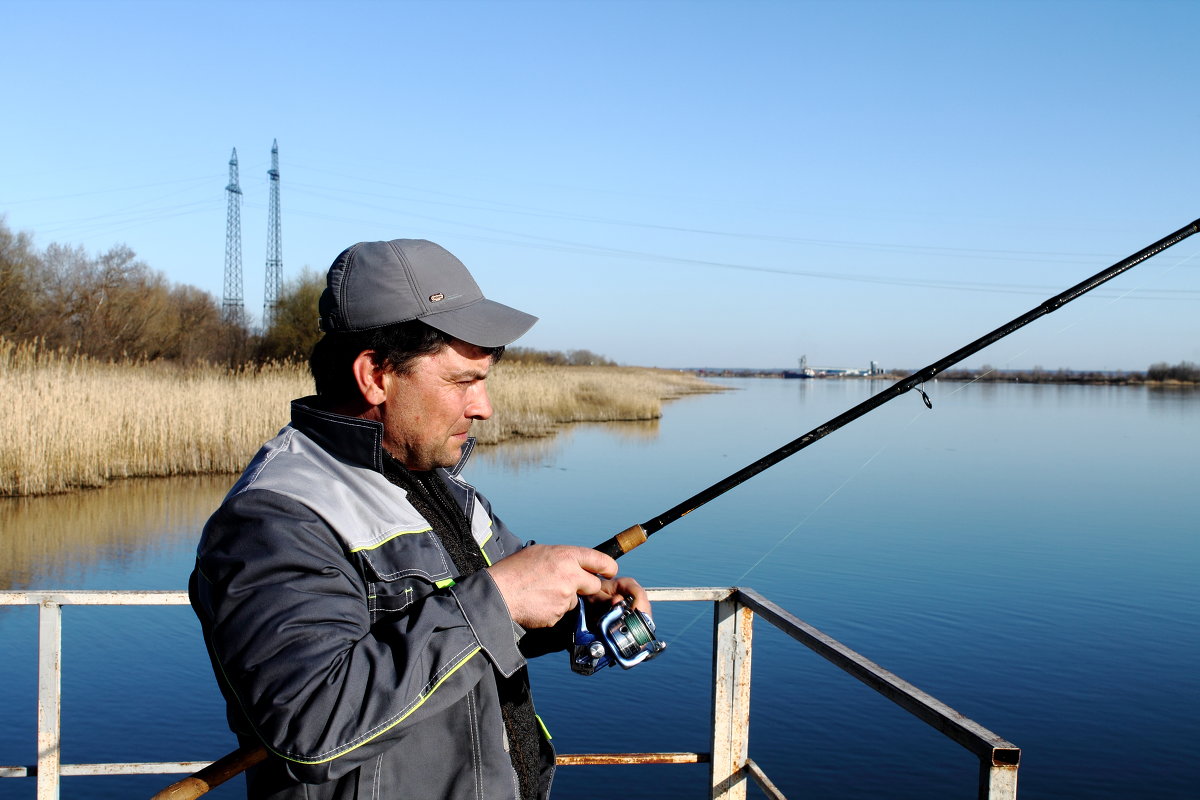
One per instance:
(997, 781)
(49, 699)
(732, 632)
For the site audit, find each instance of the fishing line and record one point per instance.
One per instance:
(813, 511)
(849, 478)
(783, 540)
(829, 497)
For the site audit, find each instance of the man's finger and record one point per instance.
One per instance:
(596, 562)
(588, 584)
(630, 588)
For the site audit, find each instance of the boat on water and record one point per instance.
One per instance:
(731, 767)
(802, 372)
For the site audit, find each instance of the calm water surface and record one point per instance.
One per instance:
(1026, 554)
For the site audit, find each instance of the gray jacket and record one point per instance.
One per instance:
(339, 635)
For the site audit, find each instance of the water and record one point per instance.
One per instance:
(1026, 554)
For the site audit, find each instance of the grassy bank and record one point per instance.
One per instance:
(75, 422)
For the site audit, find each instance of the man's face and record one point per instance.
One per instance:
(429, 410)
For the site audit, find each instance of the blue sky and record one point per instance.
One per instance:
(665, 183)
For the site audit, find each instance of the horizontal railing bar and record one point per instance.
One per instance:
(114, 768)
(187, 767)
(706, 593)
(87, 597)
(968, 733)
(578, 759)
(67, 597)
(764, 783)
(147, 768)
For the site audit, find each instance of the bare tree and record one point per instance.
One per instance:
(19, 284)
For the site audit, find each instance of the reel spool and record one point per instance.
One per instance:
(625, 636)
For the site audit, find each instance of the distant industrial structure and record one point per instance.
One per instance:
(805, 371)
(233, 303)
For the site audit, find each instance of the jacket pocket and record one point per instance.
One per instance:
(404, 569)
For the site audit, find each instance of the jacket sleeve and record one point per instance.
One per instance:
(289, 629)
(537, 641)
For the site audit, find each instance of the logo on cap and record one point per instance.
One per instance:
(434, 298)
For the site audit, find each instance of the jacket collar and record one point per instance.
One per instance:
(352, 439)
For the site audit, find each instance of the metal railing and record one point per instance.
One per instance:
(730, 764)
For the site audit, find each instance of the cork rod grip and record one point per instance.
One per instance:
(623, 542)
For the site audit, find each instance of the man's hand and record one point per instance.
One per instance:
(611, 591)
(541, 583)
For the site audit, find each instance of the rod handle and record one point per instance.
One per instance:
(213, 775)
(623, 542)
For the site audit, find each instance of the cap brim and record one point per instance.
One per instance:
(484, 323)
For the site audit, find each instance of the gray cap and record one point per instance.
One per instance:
(372, 284)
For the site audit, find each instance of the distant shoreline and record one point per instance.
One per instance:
(1061, 376)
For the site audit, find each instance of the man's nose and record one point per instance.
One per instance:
(480, 405)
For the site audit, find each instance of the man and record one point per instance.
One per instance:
(367, 615)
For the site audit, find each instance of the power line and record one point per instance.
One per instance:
(561, 245)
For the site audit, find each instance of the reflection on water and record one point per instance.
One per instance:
(1182, 398)
(631, 430)
(520, 455)
(50, 541)
(47, 540)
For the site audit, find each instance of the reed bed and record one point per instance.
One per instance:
(75, 422)
(534, 400)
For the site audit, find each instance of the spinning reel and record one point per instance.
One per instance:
(624, 636)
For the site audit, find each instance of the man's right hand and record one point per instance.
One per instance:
(540, 583)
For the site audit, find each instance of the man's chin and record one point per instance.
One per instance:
(453, 455)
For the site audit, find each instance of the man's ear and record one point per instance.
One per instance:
(369, 378)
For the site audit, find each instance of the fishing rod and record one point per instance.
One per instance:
(636, 535)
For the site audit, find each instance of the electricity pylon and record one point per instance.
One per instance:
(274, 245)
(233, 305)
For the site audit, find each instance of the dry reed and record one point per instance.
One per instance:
(77, 422)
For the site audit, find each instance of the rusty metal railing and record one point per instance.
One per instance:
(730, 766)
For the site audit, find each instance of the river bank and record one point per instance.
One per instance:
(76, 422)
(1183, 376)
